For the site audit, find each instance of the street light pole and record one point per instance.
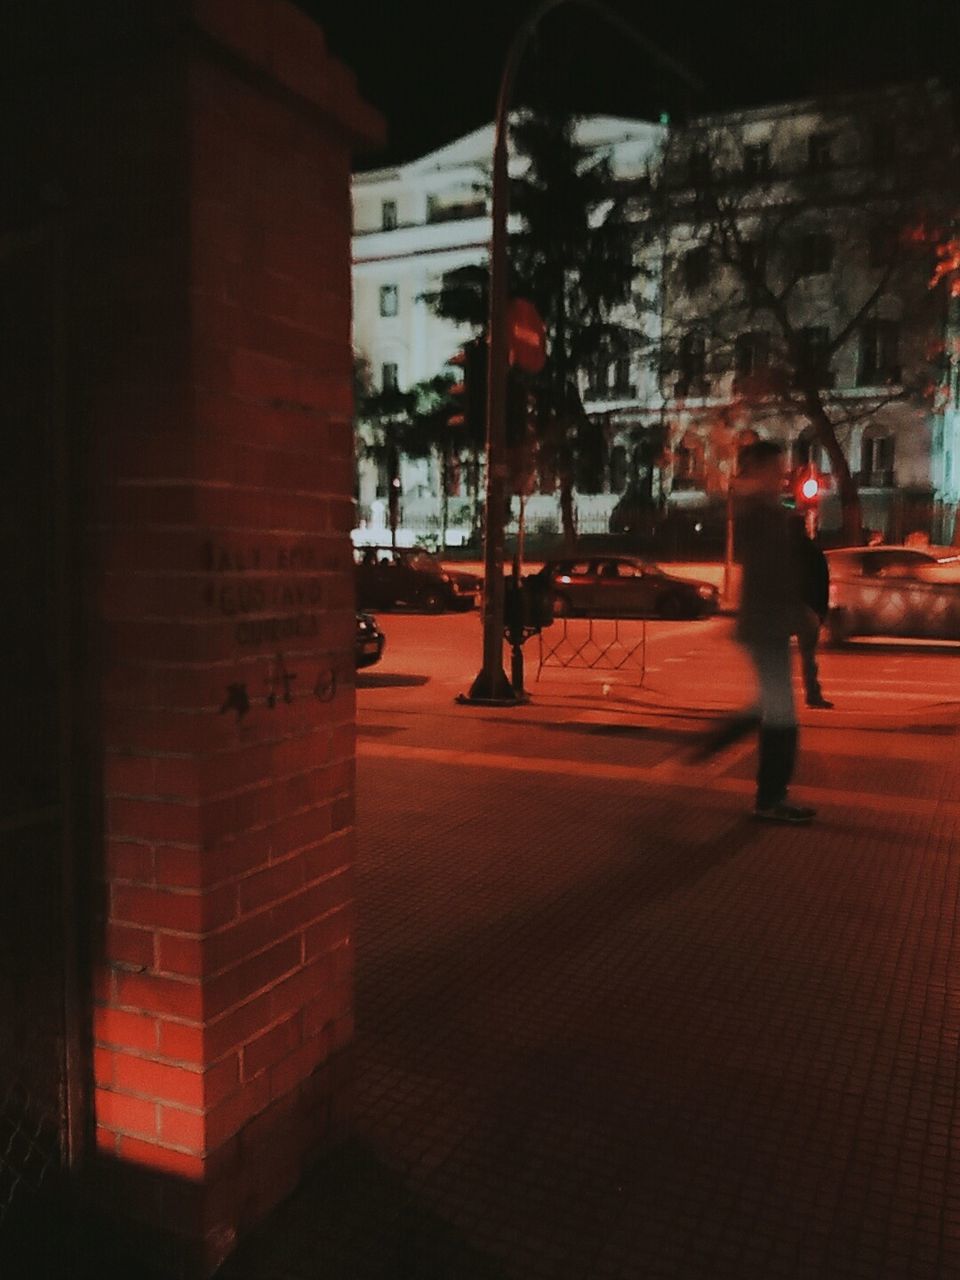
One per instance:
(491, 685)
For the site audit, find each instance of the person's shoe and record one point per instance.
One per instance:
(823, 703)
(783, 812)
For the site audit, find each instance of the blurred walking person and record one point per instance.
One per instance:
(771, 611)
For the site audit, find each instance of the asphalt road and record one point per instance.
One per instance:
(695, 662)
(628, 700)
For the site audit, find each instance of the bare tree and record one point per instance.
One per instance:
(794, 278)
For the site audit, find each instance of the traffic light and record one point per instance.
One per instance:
(808, 487)
(469, 396)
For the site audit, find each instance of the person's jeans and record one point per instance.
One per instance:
(771, 662)
(808, 633)
(778, 720)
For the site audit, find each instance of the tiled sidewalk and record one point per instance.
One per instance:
(611, 1030)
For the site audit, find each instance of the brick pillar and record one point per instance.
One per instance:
(212, 277)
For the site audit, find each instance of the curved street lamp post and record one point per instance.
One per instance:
(491, 686)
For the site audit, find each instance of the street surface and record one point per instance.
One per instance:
(653, 687)
(609, 1028)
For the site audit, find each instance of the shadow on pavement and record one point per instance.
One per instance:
(387, 680)
(652, 733)
(355, 1219)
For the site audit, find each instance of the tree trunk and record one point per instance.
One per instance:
(444, 497)
(393, 493)
(475, 519)
(852, 520)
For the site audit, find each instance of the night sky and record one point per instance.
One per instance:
(432, 68)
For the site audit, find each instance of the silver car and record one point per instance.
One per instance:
(893, 591)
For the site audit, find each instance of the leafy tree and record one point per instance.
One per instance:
(415, 424)
(572, 256)
(781, 271)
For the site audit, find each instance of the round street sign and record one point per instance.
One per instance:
(528, 337)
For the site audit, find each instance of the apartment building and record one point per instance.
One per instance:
(775, 239)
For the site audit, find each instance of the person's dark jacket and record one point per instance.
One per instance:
(814, 571)
(771, 599)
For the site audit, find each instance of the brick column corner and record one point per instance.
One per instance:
(213, 282)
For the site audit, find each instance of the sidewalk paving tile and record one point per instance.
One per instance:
(612, 1032)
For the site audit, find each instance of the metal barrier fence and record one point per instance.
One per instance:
(595, 644)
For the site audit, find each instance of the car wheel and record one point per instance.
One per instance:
(433, 602)
(670, 607)
(562, 607)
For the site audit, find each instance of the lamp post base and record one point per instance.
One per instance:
(492, 690)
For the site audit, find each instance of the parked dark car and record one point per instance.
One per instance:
(413, 577)
(369, 641)
(621, 586)
(893, 591)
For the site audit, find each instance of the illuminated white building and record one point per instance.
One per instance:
(416, 221)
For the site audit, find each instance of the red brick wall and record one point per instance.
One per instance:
(224, 599)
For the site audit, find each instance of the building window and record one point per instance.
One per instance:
(884, 141)
(882, 246)
(388, 300)
(608, 378)
(815, 255)
(622, 386)
(876, 459)
(751, 355)
(453, 475)
(699, 167)
(590, 460)
(756, 160)
(383, 477)
(692, 365)
(696, 268)
(452, 210)
(388, 377)
(618, 469)
(388, 215)
(819, 155)
(879, 362)
(807, 452)
(753, 263)
(814, 355)
(688, 464)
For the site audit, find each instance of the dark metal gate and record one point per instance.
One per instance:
(595, 644)
(39, 1121)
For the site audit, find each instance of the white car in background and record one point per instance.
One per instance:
(906, 592)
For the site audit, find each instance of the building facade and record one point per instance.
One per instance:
(818, 198)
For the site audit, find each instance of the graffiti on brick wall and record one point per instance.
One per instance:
(275, 598)
(271, 595)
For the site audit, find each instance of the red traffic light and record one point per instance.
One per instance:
(810, 489)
